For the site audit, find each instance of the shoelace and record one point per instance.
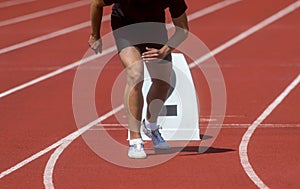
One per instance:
(157, 135)
(138, 147)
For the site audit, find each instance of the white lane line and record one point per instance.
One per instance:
(211, 9)
(35, 156)
(262, 126)
(44, 37)
(243, 153)
(44, 12)
(208, 10)
(200, 13)
(70, 137)
(48, 172)
(111, 125)
(108, 126)
(57, 72)
(119, 127)
(109, 129)
(73, 28)
(49, 36)
(55, 145)
(217, 50)
(14, 2)
(249, 32)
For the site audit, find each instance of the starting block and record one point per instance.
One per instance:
(180, 119)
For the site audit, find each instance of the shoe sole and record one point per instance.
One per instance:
(162, 147)
(137, 157)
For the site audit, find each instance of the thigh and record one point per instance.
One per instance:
(160, 71)
(130, 56)
(132, 62)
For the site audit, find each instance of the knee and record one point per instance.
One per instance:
(135, 78)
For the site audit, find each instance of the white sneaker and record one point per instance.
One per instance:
(136, 149)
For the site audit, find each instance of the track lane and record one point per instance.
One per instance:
(272, 64)
(42, 13)
(36, 65)
(34, 6)
(52, 57)
(274, 151)
(237, 59)
(223, 181)
(26, 30)
(13, 3)
(39, 111)
(145, 173)
(279, 165)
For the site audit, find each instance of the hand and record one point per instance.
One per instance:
(95, 44)
(153, 55)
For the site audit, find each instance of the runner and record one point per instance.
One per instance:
(155, 55)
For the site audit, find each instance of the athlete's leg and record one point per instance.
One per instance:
(160, 74)
(157, 95)
(133, 97)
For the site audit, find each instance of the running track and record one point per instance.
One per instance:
(256, 147)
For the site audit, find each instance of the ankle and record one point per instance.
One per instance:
(151, 125)
(136, 141)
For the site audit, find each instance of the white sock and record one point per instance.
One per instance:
(135, 141)
(152, 126)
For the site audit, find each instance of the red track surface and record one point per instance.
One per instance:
(256, 70)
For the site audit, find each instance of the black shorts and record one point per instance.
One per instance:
(140, 35)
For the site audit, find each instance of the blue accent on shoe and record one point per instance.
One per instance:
(136, 151)
(157, 139)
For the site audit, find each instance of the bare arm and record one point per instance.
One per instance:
(96, 12)
(181, 33)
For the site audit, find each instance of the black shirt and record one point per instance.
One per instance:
(146, 10)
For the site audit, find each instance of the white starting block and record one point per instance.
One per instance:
(180, 120)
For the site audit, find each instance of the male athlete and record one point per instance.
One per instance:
(156, 56)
